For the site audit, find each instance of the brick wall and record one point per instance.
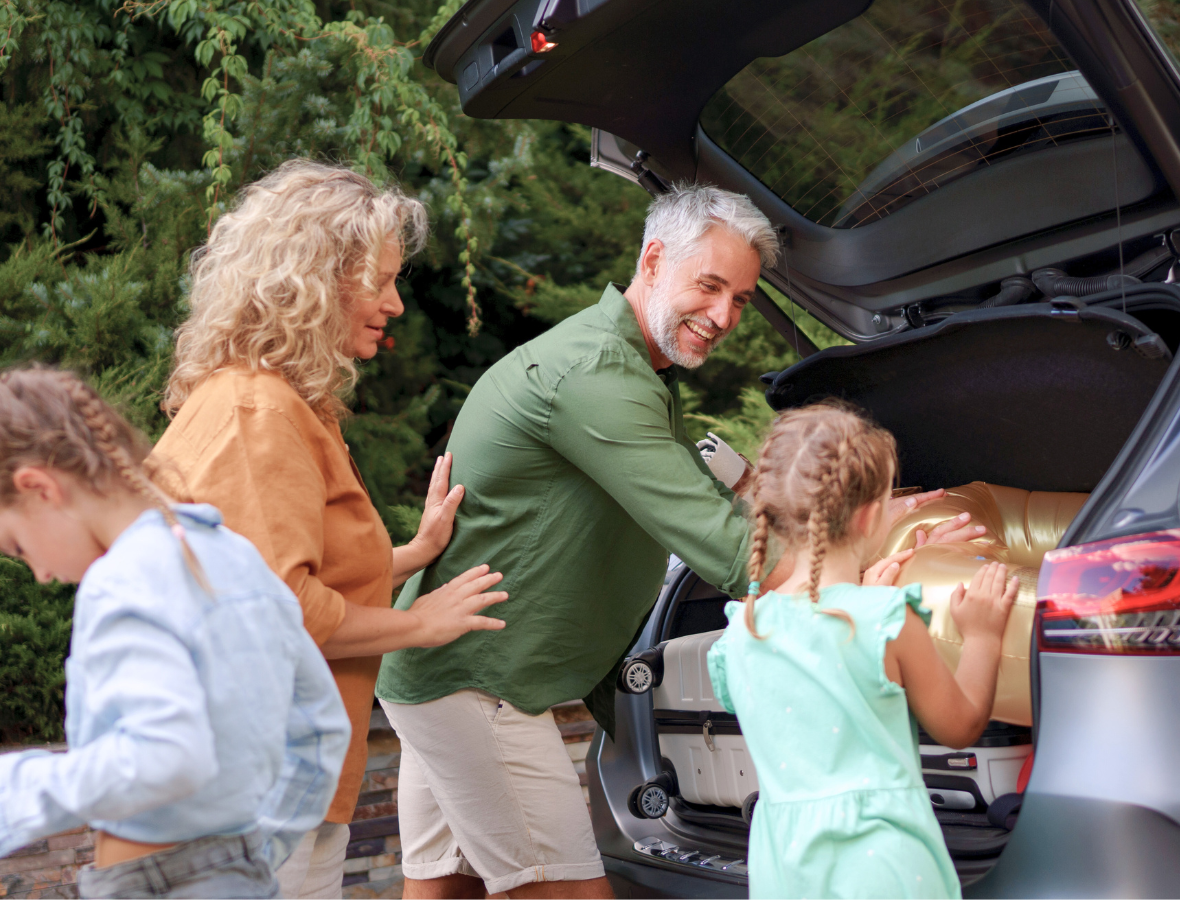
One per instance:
(47, 868)
(372, 867)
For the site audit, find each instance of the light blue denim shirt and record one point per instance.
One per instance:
(187, 714)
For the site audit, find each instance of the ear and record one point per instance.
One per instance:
(865, 517)
(651, 261)
(38, 483)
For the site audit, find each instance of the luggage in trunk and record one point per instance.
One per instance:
(702, 741)
(707, 753)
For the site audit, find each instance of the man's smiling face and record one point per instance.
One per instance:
(697, 302)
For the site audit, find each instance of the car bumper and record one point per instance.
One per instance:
(636, 878)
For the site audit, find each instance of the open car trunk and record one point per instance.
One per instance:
(1040, 397)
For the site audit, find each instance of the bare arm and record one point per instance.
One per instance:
(435, 618)
(955, 708)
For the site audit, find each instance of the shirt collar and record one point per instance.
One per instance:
(620, 312)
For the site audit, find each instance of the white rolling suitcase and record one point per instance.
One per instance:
(703, 742)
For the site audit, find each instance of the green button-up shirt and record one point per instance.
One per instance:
(579, 480)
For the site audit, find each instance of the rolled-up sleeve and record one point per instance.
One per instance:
(615, 425)
(160, 752)
(263, 477)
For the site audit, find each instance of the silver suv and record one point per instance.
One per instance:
(981, 197)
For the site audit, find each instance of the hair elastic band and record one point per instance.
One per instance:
(752, 590)
(178, 531)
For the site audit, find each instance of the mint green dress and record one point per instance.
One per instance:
(842, 810)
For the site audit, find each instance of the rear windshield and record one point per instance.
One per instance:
(904, 99)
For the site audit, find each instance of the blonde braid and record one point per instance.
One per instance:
(93, 412)
(757, 564)
(819, 522)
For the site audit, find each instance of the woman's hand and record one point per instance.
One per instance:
(450, 611)
(884, 572)
(438, 518)
(435, 618)
(436, 527)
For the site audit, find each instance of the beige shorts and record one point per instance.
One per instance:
(487, 790)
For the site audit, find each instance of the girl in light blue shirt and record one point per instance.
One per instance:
(205, 730)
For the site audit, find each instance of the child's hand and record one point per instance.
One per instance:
(438, 518)
(884, 572)
(450, 611)
(982, 609)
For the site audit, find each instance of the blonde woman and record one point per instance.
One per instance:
(297, 281)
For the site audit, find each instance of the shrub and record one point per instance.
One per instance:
(34, 639)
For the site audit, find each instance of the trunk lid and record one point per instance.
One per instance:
(907, 152)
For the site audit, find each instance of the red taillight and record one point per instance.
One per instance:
(541, 44)
(1118, 596)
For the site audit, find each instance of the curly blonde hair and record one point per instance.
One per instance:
(267, 287)
(818, 465)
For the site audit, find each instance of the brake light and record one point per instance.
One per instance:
(541, 44)
(1120, 596)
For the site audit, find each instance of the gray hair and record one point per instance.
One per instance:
(680, 218)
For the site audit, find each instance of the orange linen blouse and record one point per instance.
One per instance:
(247, 443)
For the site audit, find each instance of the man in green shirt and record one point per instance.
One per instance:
(580, 479)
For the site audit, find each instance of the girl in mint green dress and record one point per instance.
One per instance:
(824, 672)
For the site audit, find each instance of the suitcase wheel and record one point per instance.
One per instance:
(748, 807)
(636, 677)
(650, 799)
(642, 672)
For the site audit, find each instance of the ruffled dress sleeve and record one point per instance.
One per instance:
(913, 598)
(893, 619)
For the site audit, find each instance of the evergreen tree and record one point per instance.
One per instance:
(127, 126)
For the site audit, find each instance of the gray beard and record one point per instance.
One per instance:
(663, 322)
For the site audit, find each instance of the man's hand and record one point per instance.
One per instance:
(950, 531)
(450, 611)
(727, 465)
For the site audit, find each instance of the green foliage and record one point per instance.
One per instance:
(1164, 17)
(20, 140)
(125, 129)
(34, 639)
(743, 429)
